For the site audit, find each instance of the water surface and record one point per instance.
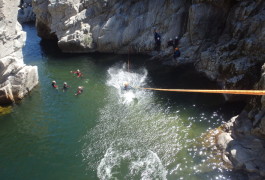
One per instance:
(106, 132)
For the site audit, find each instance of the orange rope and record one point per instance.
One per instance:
(246, 92)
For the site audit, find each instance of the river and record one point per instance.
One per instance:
(106, 132)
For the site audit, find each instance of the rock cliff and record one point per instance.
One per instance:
(16, 79)
(224, 39)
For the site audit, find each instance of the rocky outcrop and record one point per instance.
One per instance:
(224, 39)
(241, 147)
(109, 26)
(25, 13)
(16, 79)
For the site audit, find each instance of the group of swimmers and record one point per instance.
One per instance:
(66, 86)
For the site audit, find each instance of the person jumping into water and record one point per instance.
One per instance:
(127, 86)
(54, 84)
(79, 90)
(65, 86)
(77, 72)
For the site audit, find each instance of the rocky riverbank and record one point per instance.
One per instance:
(16, 78)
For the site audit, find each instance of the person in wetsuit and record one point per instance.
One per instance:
(126, 86)
(65, 86)
(157, 40)
(176, 42)
(77, 72)
(176, 53)
(54, 84)
(79, 90)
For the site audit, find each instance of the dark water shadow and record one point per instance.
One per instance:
(186, 77)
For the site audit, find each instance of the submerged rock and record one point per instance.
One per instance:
(16, 79)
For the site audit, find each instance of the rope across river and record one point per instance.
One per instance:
(244, 92)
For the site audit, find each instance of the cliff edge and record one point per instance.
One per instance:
(16, 78)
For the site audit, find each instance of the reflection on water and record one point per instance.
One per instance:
(107, 132)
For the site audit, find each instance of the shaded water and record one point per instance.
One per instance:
(106, 132)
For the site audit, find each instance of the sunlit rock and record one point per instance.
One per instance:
(16, 79)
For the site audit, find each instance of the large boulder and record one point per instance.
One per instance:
(16, 79)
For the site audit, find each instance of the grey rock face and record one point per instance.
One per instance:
(16, 79)
(110, 26)
(241, 147)
(25, 13)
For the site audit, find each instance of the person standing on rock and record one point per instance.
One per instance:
(54, 84)
(157, 40)
(176, 42)
(176, 53)
(170, 43)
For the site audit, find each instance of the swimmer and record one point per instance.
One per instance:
(126, 86)
(54, 84)
(77, 72)
(79, 90)
(65, 86)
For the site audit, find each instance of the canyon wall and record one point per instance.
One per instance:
(16, 78)
(223, 38)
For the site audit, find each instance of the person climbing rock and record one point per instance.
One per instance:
(176, 42)
(77, 72)
(54, 84)
(176, 53)
(157, 40)
(79, 90)
(65, 86)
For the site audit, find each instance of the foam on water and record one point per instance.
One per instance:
(138, 163)
(144, 140)
(144, 135)
(117, 78)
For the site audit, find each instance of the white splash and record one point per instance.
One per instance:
(143, 164)
(118, 76)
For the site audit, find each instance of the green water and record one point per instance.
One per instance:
(108, 133)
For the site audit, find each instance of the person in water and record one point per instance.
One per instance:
(79, 90)
(54, 84)
(77, 72)
(65, 86)
(127, 86)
